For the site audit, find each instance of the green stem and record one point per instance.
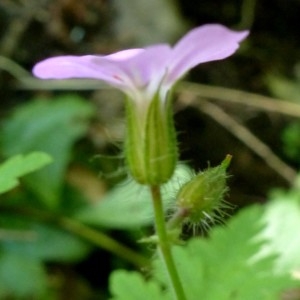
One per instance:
(164, 245)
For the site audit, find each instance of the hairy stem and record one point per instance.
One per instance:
(164, 245)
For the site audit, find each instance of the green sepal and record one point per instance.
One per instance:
(161, 145)
(134, 142)
(151, 148)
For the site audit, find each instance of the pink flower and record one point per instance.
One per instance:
(146, 75)
(141, 73)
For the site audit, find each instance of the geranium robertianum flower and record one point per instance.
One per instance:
(146, 76)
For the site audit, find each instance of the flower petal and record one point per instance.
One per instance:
(148, 66)
(203, 44)
(124, 54)
(106, 68)
(127, 70)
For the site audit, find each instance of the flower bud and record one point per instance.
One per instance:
(204, 193)
(150, 148)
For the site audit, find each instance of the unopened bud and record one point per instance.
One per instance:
(204, 193)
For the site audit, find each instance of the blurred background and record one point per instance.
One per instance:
(246, 105)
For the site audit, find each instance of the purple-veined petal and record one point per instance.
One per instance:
(203, 44)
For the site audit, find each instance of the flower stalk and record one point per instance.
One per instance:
(164, 246)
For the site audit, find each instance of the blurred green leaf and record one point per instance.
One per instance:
(282, 217)
(132, 286)
(20, 165)
(45, 242)
(52, 127)
(129, 204)
(21, 277)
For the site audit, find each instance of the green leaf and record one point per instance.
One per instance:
(126, 285)
(225, 266)
(126, 206)
(45, 242)
(21, 277)
(20, 165)
(129, 204)
(48, 126)
(282, 217)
